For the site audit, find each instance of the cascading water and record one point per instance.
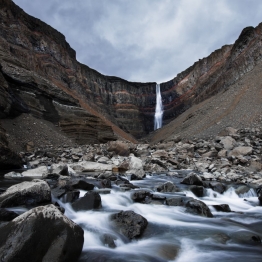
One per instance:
(159, 108)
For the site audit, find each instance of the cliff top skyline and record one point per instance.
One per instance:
(145, 41)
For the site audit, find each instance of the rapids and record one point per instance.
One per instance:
(172, 234)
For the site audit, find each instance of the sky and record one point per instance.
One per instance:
(145, 40)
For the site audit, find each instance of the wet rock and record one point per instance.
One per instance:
(6, 215)
(242, 190)
(61, 239)
(198, 207)
(26, 193)
(222, 208)
(217, 186)
(178, 201)
(129, 223)
(71, 196)
(91, 200)
(81, 184)
(58, 192)
(108, 240)
(139, 195)
(199, 191)
(192, 179)
(246, 237)
(259, 194)
(167, 187)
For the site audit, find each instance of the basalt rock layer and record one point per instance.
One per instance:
(39, 74)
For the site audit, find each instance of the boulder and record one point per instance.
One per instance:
(135, 166)
(197, 190)
(178, 201)
(192, 179)
(26, 193)
(88, 166)
(60, 170)
(139, 195)
(108, 240)
(129, 223)
(228, 142)
(71, 196)
(36, 172)
(80, 183)
(167, 187)
(41, 234)
(242, 190)
(13, 174)
(222, 208)
(241, 150)
(162, 154)
(91, 200)
(217, 186)
(198, 207)
(119, 148)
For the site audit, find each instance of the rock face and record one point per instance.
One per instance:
(39, 74)
(8, 158)
(26, 193)
(34, 58)
(60, 238)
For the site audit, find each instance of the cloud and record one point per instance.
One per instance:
(147, 40)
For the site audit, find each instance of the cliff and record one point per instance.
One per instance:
(39, 74)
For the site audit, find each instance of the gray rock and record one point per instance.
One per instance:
(241, 150)
(198, 207)
(199, 191)
(178, 201)
(228, 142)
(222, 208)
(41, 234)
(26, 193)
(192, 179)
(91, 200)
(167, 187)
(129, 223)
(217, 186)
(139, 195)
(13, 174)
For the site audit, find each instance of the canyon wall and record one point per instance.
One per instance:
(39, 74)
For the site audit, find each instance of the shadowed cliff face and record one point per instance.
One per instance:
(39, 74)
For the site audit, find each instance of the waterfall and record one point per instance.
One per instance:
(159, 108)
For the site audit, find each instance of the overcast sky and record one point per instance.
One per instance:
(145, 40)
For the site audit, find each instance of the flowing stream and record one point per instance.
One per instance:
(159, 108)
(172, 234)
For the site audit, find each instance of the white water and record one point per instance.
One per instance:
(159, 108)
(172, 234)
